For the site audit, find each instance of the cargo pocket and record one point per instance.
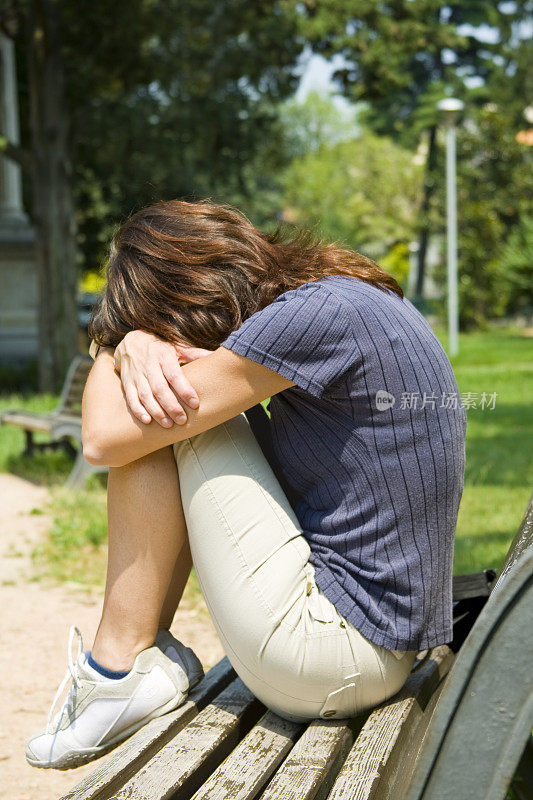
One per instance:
(343, 702)
(319, 607)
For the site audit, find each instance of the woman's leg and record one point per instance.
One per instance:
(180, 576)
(283, 637)
(149, 562)
(149, 558)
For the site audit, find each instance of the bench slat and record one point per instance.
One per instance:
(247, 769)
(368, 767)
(75, 381)
(66, 425)
(40, 423)
(127, 759)
(180, 767)
(310, 769)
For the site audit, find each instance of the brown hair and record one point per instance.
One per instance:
(191, 273)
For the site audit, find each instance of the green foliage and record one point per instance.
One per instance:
(169, 98)
(361, 192)
(396, 262)
(494, 195)
(92, 282)
(399, 55)
(179, 101)
(315, 122)
(402, 57)
(516, 265)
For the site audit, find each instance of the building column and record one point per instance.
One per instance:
(19, 300)
(11, 209)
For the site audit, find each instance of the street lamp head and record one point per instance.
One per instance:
(449, 108)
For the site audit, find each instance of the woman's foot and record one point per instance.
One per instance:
(182, 655)
(99, 712)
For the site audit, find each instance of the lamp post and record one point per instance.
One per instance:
(449, 108)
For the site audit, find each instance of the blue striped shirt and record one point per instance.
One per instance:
(372, 440)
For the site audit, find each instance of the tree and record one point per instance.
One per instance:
(200, 120)
(362, 192)
(495, 199)
(130, 102)
(401, 54)
(315, 122)
(516, 265)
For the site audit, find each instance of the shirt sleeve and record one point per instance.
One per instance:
(304, 335)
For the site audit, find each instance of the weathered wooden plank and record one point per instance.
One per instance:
(64, 418)
(368, 772)
(248, 768)
(312, 765)
(180, 767)
(401, 764)
(473, 584)
(40, 423)
(128, 758)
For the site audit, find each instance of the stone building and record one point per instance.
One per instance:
(18, 270)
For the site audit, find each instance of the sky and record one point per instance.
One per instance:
(316, 75)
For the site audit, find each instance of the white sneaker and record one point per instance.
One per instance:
(99, 712)
(182, 655)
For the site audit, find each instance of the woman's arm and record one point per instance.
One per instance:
(225, 382)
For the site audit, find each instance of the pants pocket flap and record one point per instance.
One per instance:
(341, 703)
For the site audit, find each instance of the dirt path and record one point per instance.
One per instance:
(34, 623)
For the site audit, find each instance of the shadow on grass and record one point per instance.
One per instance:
(44, 468)
(49, 468)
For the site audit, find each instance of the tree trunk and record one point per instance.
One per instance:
(52, 206)
(429, 186)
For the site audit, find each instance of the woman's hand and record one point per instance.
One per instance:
(152, 379)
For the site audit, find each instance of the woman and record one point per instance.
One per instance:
(321, 605)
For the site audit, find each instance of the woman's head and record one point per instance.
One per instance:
(193, 272)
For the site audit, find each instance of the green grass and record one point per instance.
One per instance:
(499, 473)
(498, 476)
(75, 549)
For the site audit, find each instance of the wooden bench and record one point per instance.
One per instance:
(63, 424)
(459, 728)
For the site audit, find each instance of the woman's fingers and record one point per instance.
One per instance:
(140, 398)
(163, 394)
(188, 354)
(153, 381)
(132, 396)
(174, 376)
(150, 402)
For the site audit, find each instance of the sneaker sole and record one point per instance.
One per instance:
(76, 758)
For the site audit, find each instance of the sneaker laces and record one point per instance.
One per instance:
(70, 675)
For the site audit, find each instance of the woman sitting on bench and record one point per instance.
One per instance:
(321, 601)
